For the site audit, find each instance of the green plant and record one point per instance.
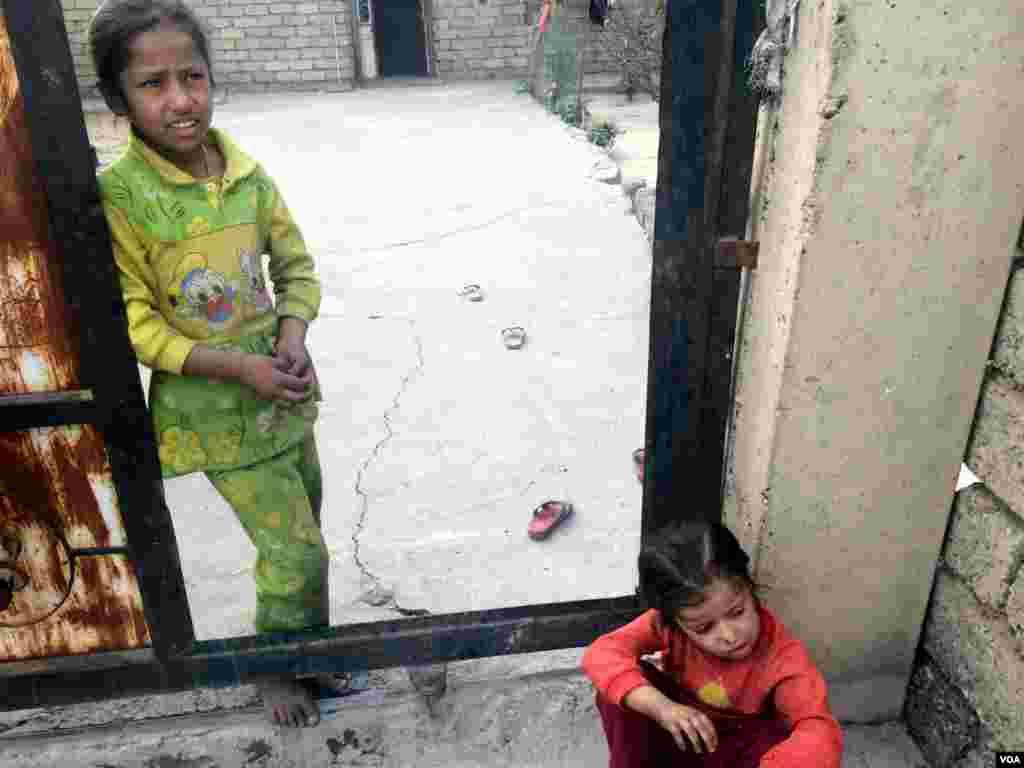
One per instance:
(632, 39)
(522, 86)
(602, 135)
(568, 112)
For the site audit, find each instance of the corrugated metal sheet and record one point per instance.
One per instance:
(56, 490)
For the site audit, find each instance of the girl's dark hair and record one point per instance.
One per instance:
(116, 24)
(682, 561)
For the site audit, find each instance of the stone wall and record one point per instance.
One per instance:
(966, 697)
(257, 45)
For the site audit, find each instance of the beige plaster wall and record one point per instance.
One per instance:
(893, 187)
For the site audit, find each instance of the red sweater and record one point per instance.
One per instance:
(777, 676)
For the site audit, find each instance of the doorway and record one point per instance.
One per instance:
(400, 39)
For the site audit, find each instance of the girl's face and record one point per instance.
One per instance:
(166, 88)
(726, 624)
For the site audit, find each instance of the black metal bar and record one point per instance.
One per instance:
(46, 398)
(15, 418)
(733, 212)
(42, 56)
(101, 551)
(738, 165)
(685, 456)
(356, 647)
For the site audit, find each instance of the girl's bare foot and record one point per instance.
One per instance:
(289, 703)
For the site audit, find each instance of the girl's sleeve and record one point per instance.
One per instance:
(155, 342)
(292, 270)
(612, 662)
(800, 696)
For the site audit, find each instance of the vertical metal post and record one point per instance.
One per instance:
(704, 159)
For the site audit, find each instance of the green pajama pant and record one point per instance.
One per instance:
(277, 501)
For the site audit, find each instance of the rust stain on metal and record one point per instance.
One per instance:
(28, 271)
(103, 618)
(95, 616)
(46, 565)
(56, 487)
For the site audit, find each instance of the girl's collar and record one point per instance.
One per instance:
(237, 163)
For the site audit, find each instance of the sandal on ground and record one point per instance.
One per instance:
(547, 517)
(341, 684)
(472, 292)
(639, 459)
(514, 337)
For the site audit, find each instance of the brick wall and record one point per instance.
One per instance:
(271, 45)
(966, 697)
(477, 39)
(492, 38)
(257, 45)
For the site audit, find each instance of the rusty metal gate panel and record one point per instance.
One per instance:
(65, 585)
(88, 560)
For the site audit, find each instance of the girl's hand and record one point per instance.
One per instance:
(267, 377)
(678, 719)
(290, 348)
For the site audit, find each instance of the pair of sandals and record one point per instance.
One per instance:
(513, 337)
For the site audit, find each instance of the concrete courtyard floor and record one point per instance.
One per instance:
(436, 440)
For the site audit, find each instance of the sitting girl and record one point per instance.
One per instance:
(737, 690)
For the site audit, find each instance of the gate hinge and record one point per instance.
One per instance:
(734, 253)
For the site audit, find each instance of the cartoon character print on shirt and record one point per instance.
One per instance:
(200, 293)
(254, 287)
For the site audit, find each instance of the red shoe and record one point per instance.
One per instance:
(547, 517)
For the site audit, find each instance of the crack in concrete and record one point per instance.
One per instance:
(378, 594)
(462, 230)
(18, 723)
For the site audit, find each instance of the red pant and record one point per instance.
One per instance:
(637, 741)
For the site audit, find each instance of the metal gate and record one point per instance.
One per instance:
(90, 581)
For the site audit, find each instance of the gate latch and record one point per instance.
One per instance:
(734, 253)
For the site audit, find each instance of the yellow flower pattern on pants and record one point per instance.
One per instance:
(224, 447)
(262, 459)
(280, 513)
(181, 449)
(235, 428)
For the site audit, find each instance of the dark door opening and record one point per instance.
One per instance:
(399, 38)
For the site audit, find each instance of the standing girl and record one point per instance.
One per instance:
(233, 390)
(735, 690)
